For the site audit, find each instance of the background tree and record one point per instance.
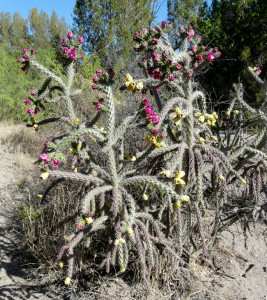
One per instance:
(108, 26)
(239, 30)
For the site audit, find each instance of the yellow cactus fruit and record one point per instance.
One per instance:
(61, 264)
(76, 121)
(213, 138)
(72, 151)
(184, 198)
(128, 77)
(221, 178)
(44, 175)
(201, 140)
(79, 145)
(197, 115)
(89, 220)
(39, 197)
(243, 181)
(122, 269)
(201, 119)
(36, 127)
(145, 197)
(139, 86)
(67, 281)
(177, 204)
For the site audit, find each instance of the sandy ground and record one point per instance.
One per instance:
(232, 271)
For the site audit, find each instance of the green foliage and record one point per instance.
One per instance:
(108, 26)
(239, 30)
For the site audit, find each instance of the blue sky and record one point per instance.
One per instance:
(62, 8)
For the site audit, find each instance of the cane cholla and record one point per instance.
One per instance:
(150, 201)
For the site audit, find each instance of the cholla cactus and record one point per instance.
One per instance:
(180, 170)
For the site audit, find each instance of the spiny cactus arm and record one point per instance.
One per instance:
(76, 93)
(45, 85)
(162, 151)
(170, 105)
(47, 72)
(255, 76)
(94, 120)
(261, 138)
(110, 124)
(94, 192)
(70, 76)
(199, 175)
(98, 224)
(131, 202)
(120, 131)
(178, 89)
(75, 177)
(177, 159)
(152, 181)
(199, 95)
(77, 134)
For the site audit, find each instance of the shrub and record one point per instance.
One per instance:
(144, 196)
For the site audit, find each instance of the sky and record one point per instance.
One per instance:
(62, 8)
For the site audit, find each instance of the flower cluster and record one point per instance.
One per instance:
(88, 219)
(178, 178)
(71, 48)
(103, 77)
(25, 59)
(210, 119)
(130, 85)
(99, 103)
(176, 116)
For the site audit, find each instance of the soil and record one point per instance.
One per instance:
(232, 270)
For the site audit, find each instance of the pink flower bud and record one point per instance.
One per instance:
(145, 101)
(81, 56)
(63, 42)
(31, 111)
(94, 86)
(155, 131)
(171, 77)
(163, 24)
(65, 50)
(155, 42)
(46, 144)
(55, 163)
(95, 79)
(27, 102)
(165, 53)
(70, 35)
(19, 60)
(33, 93)
(33, 52)
(25, 51)
(71, 55)
(24, 70)
(44, 157)
(81, 39)
(178, 67)
(189, 74)
(193, 49)
(98, 71)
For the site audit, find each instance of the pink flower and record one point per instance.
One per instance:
(95, 79)
(189, 74)
(157, 74)
(218, 54)
(210, 56)
(33, 93)
(216, 49)
(170, 25)
(149, 109)
(90, 214)
(158, 90)
(258, 70)
(169, 62)
(144, 59)
(152, 30)
(163, 24)
(98, 106)
(165, 53)
(171, 77)
(155, 131)
(81, 39)
(199, 58)
(46, 144)
(44, 157)
(155, 42)
(163, 135)
(227, 122)
(98, 71)
(150, 71)
(27, 102)
(55, 163)
(63, 42)
(70, 35)
(73, 49)
(33, 52)
(65, 50)
(199, 37)
(24, 70)
(136, 48)
(71, 55)
(19, 60)
(26, 57)
(81, 56)
(181, 28)
(80, 226)
(94, 86)
(145, 45)
(145, 101)
(156, 121)
(155, 57)
(193, 49)
(202, 48)
(178, 67)
(25, 51)
(137, 35)
(31, 111)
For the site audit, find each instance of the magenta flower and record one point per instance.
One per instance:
(73, 49)
(95, 79)
(203, 48)
(169, 62)
(24, 70)
(145, 45)
(199, 58)
(25, 51)
(80, 226)
(55, 163)
(144, 59)
(44, 157)
(31, 111)
(163, 24)
(33, 93)
(98, 106)
(81, 56)
(165, 53)
(163, 135)
(193, 49)
(156, 121)
(33, 52)
(19, 60)
(171, 77)
(155, 42)
(70, 35)
(181, 28)
(98, 71)
(178, 67)
(71, 55)
(63, 42)
(227, 122)
(189, 74)
(258, 70)
(210, 56)
(46, 144)
(149, 109)
(155, 131)
(158, 90)
(26, 57)
(157, 74)
(81, 39)
(145, 101)
(137, 35)
(152, 30)
(218, 54)
(155, 57)
(27, 102)
(65, 50)
(199, 37)
(94, 86)
(150, 71)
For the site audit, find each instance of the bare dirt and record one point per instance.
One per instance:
(232, 271)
